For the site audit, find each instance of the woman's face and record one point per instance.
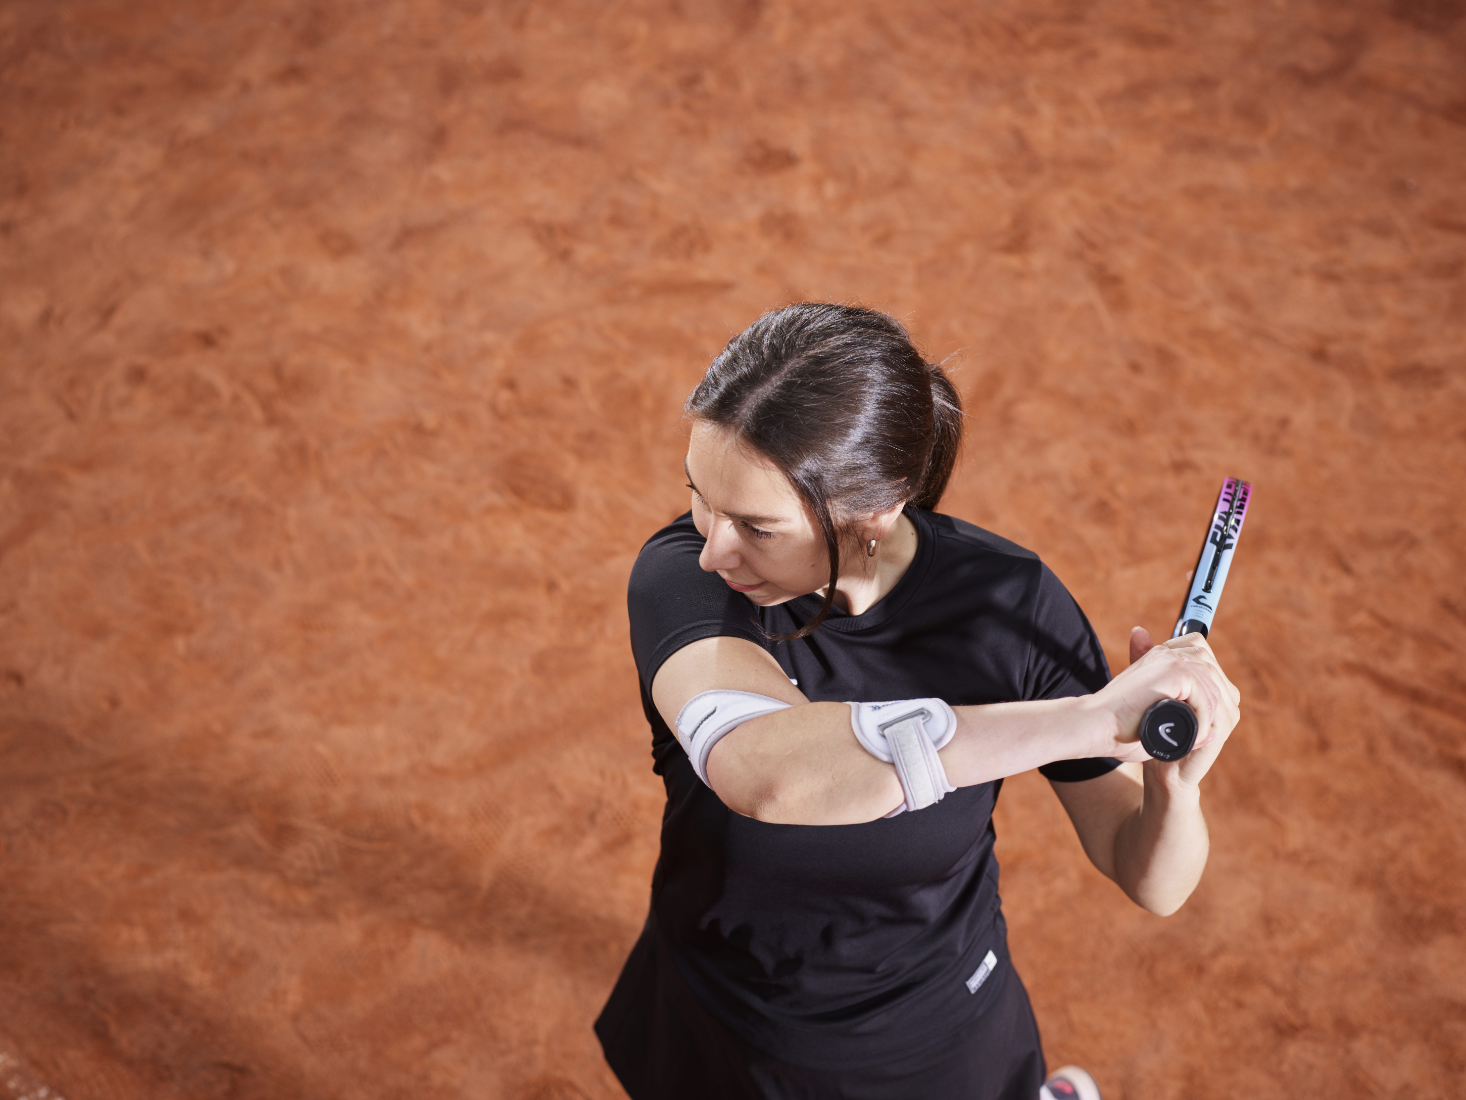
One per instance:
(761, 539)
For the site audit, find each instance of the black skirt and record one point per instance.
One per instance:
(664, 1045)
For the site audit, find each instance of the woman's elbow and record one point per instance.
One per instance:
(762, 801)
(742, 786)
(1160, 900)
(742, 789)
(1165, 908)
(775, 797)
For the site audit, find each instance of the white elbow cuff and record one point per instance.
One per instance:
(908, 733)
(708, 717)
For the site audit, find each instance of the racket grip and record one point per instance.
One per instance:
(1168, 729)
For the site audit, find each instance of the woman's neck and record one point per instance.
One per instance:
(865, 580)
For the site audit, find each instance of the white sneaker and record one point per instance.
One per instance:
(1069, 1083)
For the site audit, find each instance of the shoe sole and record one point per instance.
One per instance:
(1084, 1086)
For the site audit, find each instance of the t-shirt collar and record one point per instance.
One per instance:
(892, 601)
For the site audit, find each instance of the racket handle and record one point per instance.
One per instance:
(1168, 729)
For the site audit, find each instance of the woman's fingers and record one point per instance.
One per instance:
(1206, 687)
(1197, 645)
(1225, 713)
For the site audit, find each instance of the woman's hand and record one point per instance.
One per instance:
(1182, 668)
(1143, 826)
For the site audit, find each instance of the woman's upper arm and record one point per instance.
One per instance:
(801, 765)
(732, 664)
(1098, 807)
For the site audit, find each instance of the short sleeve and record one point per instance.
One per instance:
(1065, 659)
(672, 602)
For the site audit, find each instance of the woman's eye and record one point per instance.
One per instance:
(756, 532)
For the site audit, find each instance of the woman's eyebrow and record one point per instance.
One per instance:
(757, 521)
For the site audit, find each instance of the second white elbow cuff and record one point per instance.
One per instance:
(908, 733)
(706, 718)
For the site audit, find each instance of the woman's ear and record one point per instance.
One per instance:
(879, 525)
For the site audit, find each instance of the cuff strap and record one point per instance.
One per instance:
(908, 733)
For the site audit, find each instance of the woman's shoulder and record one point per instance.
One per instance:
(672, 601)
(1011, 584)
(680, 531)
(966, 554)
(959, 536)
(673, 551)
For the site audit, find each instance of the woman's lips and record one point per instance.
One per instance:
(740, 587)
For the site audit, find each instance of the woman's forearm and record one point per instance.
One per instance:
(1002, 739)
(1161, 848)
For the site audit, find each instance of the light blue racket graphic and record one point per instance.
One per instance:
(1216, 559)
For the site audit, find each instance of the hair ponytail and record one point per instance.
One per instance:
(947, 420)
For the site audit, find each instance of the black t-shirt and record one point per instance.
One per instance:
(847, 945)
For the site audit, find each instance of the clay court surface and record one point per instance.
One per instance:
(344, 345)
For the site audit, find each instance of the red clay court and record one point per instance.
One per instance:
(344, 351)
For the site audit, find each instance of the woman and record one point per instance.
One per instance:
(825, 918)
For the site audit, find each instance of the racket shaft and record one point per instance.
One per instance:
(1210, 577)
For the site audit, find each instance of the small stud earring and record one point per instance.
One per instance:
(870, 551)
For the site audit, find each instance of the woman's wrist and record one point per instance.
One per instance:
(1165, 788)
(1096, 728)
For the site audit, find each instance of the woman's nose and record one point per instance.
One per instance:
(720, 550)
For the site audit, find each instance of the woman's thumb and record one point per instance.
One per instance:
(1140, 643)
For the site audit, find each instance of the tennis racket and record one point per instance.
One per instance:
(1168, 729)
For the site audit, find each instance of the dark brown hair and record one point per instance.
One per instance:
(839, 399)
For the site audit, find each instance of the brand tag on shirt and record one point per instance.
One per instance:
(980, 975)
